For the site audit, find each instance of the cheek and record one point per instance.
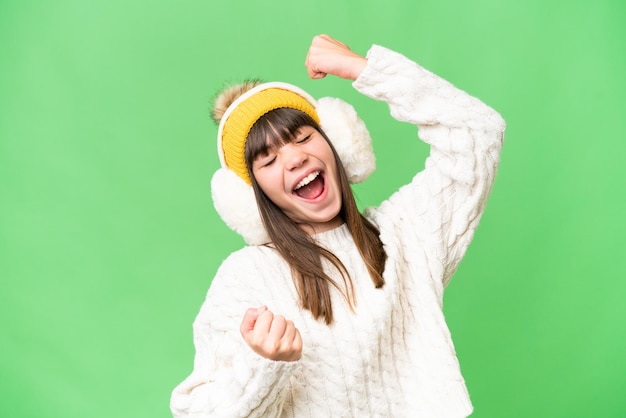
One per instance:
(269, 181)
(332, 162)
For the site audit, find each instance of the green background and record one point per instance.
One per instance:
(108, 236)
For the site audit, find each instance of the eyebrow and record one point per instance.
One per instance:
(265, 150)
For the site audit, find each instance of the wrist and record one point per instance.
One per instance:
(358, 67)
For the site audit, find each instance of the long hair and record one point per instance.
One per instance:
(297, 247)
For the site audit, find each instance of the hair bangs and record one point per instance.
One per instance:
(275, 129)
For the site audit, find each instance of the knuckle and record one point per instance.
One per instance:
(273, 348)
(256, 341)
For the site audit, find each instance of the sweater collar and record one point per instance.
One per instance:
(334, 238)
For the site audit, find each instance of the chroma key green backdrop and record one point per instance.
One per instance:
(108, 236)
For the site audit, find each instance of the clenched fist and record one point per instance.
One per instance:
(330, 56)
(272, 337)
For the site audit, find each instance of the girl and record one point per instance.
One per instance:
(328, 312)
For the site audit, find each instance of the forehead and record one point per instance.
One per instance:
(277, 139)
(276, 128)
(274, 139)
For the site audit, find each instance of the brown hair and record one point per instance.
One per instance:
(298, 248)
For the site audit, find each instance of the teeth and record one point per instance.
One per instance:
(307, 179)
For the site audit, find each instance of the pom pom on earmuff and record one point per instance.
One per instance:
(227, 96)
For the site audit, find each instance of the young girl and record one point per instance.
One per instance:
(328, 312)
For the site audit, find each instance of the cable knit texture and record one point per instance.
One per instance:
(393, 356)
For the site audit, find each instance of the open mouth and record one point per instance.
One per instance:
(310, 187)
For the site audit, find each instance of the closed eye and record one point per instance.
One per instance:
(303, 140)
(266, 162)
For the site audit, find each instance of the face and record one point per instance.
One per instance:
(301, 178)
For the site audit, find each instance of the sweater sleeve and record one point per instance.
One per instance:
(228, 378)
(440, 209)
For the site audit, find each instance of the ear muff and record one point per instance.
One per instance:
(349, 136)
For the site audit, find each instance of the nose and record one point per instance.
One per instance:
(294, 156)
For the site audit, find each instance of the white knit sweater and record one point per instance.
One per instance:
(393, 356)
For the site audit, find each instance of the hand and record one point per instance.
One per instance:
(329, 56)
(272, 337)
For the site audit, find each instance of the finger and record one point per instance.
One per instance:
(293, 340)
(278, 327)
(326, 41)
(250, 317)
(310, 67)
(248, 320)
(291, 343)
(264, 322)
(296, 344)
(316, 75)
(290, 332)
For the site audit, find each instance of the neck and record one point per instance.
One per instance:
(318, 228)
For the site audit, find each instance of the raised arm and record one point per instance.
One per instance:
(440, 209)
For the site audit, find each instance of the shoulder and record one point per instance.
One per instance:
(250, 257)
(243, 280)
(248, 267)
